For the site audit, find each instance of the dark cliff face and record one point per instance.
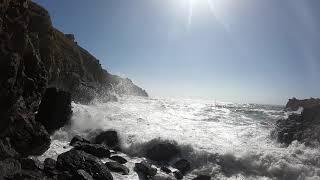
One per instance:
(69, 66)
(35, 56)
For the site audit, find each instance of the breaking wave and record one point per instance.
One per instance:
(224, 140)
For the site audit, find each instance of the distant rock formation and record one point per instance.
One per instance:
(304, 127)
(294, 104)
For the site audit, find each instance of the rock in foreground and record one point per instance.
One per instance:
(74, 160)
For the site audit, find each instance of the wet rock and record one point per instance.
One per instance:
(145, 168)
(182, 165)
(78, 140)
(30, 175)
(49, 166)
(98, 150)
(118, 159)
(109, 138)
(166, 170)
(117, 167)
(27, 136)
(163, 152)
(75, 159)
(9, 167)
(82, 175)
(178, 174)
(162, 177)
(30, 164)
(202, 177)
(55, 109)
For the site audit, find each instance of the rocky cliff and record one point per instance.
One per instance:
(69, 66)
(34, 56)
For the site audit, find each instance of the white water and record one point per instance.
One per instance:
(225, 140)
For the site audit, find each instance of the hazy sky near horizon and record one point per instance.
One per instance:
(262, 51)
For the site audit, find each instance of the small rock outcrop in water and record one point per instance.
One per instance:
(98, 150)
(182, 165)
(75, 159)
(55, 109)
(118, 159)
(304, 127)
(108, 138)
(163, 152)
(294, 104)
(78, 140)
(146, 169)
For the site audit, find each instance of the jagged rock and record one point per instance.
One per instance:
(9, 168)
(145, 168)
(82, 175)
(182, 165)
(118, 159)
(109, 138)
(30, 175)
(55, 109)
(78, 140)
(165, 169)
(294, 104)
(163, 152)
(178, 174)
(98, 150)
(75, 159)
(117, 167)
(202, 177)
(304, 128)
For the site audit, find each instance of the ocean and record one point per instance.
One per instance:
(221, 139)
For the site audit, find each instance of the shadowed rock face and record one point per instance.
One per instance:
(294, 104)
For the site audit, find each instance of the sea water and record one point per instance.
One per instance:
(223, 140)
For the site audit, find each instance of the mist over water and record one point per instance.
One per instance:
(225, 140)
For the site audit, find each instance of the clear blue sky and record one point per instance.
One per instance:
(262, 51)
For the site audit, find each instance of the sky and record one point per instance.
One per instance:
(248, 51)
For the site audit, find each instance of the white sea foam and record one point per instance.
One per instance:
(225, 140)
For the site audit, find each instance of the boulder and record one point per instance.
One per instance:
(118, 159)
(78, 140)
(165, 169)
(163, 152)
(117, 167)
(82, 175)
(55, 109)
(98, 150)
(162, 177)
(145, 168)
(9, 168)
(202, 177)
(178, 175)
(182, 165)
(109, 138)
(74, 160)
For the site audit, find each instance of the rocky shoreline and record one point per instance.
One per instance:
(42, 70)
